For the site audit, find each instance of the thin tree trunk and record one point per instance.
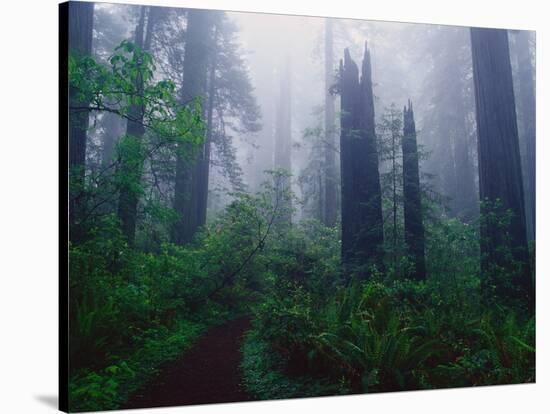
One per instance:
(394, 190)
(528, 116)
(81, 16)
(466, 200)
(131, 162)
(329, 213)
(500, 178)
(205, 161)
(412, 202)
(283, 136)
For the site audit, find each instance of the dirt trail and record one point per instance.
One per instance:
(205, 374)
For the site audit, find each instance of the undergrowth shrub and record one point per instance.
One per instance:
(388, 333)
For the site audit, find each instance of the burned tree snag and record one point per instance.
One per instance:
(412, 203)
(362, 226)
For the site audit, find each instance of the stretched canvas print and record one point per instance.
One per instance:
(267, 206)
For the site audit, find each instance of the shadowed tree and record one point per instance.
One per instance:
(229, 107)
(187, 195)
(362, 225)
(81, 16)
(203, 163)
(329, 210)
(527, 115)
(412, 203)
(500, 178)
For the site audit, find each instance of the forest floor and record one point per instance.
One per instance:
(207, 373)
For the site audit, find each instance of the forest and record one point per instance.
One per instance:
(268, 206)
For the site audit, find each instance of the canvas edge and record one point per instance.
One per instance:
(63, 51)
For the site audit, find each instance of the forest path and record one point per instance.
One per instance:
(206, 373)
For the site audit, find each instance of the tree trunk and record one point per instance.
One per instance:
(205, 160)
(81, 17)
(283, 137)
(500, 178)
(394, 190)
(190, 169)
(131, 162)
(528, 117)
(412, 203)
(466, 202)
(362, 225)
(329, 213)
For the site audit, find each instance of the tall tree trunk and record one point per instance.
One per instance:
(412, 203)
(362, 225)
(349, 84)
(500, 178)
(283, 136)
(81, 17)
(329, 213)
(205, 160)
(528, 117)
(394, 190)
(466, 202)
(131, 161)
(189, 169)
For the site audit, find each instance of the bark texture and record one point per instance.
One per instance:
(500, 177)
(362, 225)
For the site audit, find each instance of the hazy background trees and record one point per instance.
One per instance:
(272, 102)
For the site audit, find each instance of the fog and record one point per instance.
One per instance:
(427, 64)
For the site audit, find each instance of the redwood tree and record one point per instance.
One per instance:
(500, 177)
(526, 83)
(188, 202)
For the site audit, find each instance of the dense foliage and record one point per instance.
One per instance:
(389, 334)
